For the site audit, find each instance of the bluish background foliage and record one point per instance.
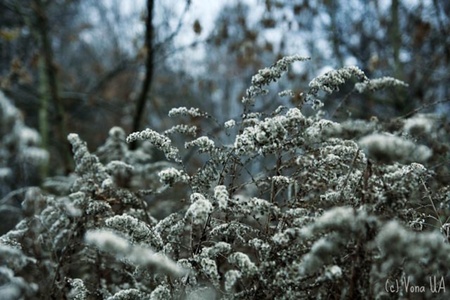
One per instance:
(153, 153)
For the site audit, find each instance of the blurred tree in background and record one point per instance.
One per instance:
(84, 66)
(188, 164)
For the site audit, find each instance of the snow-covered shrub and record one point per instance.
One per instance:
(289, 206)
(20, 153)
(21, 160)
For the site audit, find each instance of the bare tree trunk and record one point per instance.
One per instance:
(401, 102)
(50, 86)
(396, 38)
(146, 85)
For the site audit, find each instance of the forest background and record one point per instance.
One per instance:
(281, 181)
(86, 66)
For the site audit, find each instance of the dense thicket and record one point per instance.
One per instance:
(294, 207)
(141, 157)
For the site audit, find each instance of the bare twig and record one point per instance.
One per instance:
(349, 172)
(426, 105)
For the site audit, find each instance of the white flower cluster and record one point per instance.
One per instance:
(267, 75)
(276, 214)
(204, 143)
(246, 266)
(220, 248)
(262, 247)
(330, 81)
(8, 111)
(127, 294)
(78, 290)
(209, 267)
(119, 168)
(230, 123)
(253, 206)
(115, 147)
(341, 225)
(334, 272)
(171, 175)
(98, 208)
(183, 111)
(251, 118)
(418, 169)
(430, 252)
(161, 292)
(400, 183)
(378, 84)
(86, 163)
(318, 131)
(137, 230)
(288, 93)
(269, 135)
(35, 155)
(345, 220)
(281, 180)
(387, 148)
(13, 255)
(160, 141)
(320, 254)
(116, 245)
(233, 230)
(231, 277)
(316, 103)
(172, 228)
(183, 129)
(17, 141)
(199, 210)
(419, 123)
(221, 196)
(350, 129)
(5, 173)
